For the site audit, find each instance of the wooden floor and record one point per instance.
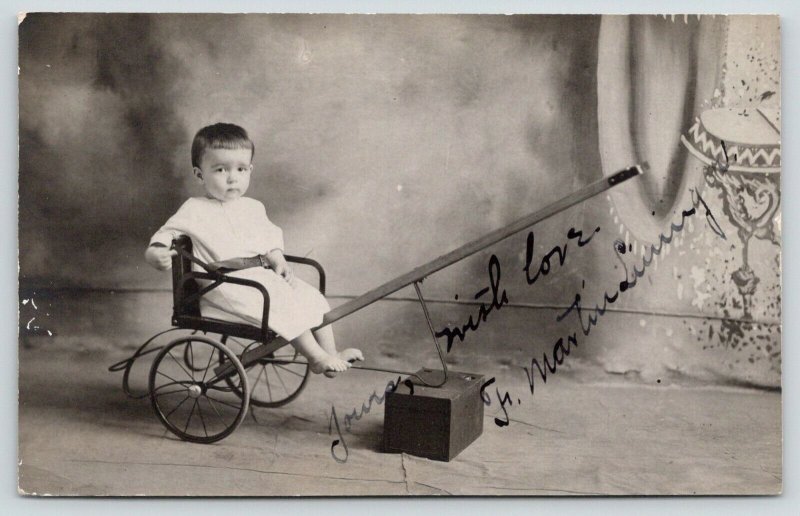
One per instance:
(79, 435)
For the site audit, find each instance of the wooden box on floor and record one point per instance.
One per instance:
(436, 423)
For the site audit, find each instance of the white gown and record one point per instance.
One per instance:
(240, 228)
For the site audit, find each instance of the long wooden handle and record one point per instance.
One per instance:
(481, 243)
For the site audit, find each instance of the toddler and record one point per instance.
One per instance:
(225, 224)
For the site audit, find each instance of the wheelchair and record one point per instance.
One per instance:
(201, 387)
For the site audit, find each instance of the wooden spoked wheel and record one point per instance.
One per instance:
(197, 403)
(275, 379)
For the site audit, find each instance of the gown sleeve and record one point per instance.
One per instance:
(178, 224)
(273, 235)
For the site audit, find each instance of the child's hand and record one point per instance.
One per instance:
(160, 257)
(281, 268)
(286, 272)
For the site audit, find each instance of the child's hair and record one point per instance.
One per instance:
(220, 136)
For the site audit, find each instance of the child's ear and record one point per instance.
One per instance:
(251, 167)
(198, 173)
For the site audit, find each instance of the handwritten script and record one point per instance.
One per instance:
(585, 318)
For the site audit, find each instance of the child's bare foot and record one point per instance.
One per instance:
(351, 355)
(329, 365)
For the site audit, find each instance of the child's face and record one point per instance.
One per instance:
(225, 173)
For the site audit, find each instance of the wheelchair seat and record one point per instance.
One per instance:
(186, 305)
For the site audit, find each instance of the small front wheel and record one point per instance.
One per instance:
(196, 402)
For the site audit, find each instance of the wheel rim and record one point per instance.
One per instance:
(188, 397)
(274, 380)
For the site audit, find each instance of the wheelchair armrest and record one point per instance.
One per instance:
(312, 263)
(222, 278)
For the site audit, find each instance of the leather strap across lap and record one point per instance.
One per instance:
(233, 264)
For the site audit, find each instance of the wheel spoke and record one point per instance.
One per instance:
(191, 354)
(269, 387)
(200, 413)
(208, 365)
(179, 365)
(289, 370)
(281, 380)
(217, 412)
(255, 383)
(211, 404)
(218, 377)
(173, 379)
(170, 384)
(177, 406)
(169, 392)
(190, 416)
(238, 407)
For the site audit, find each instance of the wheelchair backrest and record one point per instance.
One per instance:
(182, 287)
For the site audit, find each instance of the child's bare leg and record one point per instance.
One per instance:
(319, 360)
(328, 344)
(325, 338)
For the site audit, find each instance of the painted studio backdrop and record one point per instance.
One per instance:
(385, 141)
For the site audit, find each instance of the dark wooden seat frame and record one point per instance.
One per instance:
(187, 293)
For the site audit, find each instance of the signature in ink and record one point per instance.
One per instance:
(559, 252)
(559, 350)
(500, 298)
(356, 415)
(562, 347)
(503, 399)
(630, 281)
